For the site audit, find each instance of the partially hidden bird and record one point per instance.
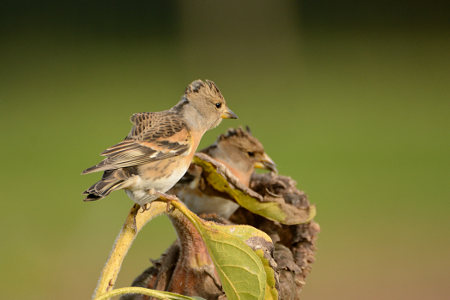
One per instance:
(160, 146)
(240, 152)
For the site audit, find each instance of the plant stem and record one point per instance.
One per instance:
(133, 224)
(143, 291)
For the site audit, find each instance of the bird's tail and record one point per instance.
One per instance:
(111, 181)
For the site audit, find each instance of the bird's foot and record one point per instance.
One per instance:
(169, 199)
(145, 207)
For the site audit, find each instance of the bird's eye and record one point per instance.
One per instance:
(218, 105)
(251, 154)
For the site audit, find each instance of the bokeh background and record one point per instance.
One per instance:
(351, 98)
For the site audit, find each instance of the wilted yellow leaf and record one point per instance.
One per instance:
(221, 180)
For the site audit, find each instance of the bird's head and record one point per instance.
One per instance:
(244, 150)
(205, 98)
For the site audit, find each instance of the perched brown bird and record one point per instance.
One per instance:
(241, 153)
(160, 146)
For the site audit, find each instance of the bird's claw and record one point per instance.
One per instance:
(169, 208)
(145, 207)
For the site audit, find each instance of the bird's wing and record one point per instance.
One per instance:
(154, 136)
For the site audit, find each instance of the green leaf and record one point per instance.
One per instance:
(258, 241)
(240, 269)
(278, 211)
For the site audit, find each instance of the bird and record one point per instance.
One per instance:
(240, 152)
(160, 146)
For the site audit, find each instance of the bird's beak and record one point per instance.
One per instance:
(228, 114)
(266, 163)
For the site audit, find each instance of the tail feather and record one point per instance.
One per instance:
(111, 181)
(101, 166)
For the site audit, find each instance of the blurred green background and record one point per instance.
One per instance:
(350, 98)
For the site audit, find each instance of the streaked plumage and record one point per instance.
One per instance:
(160, 146)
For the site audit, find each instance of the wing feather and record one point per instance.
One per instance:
(154, 136)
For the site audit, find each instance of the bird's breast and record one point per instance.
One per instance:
(159, 176)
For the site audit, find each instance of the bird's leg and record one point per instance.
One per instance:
(152, 192)
(146, 206)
